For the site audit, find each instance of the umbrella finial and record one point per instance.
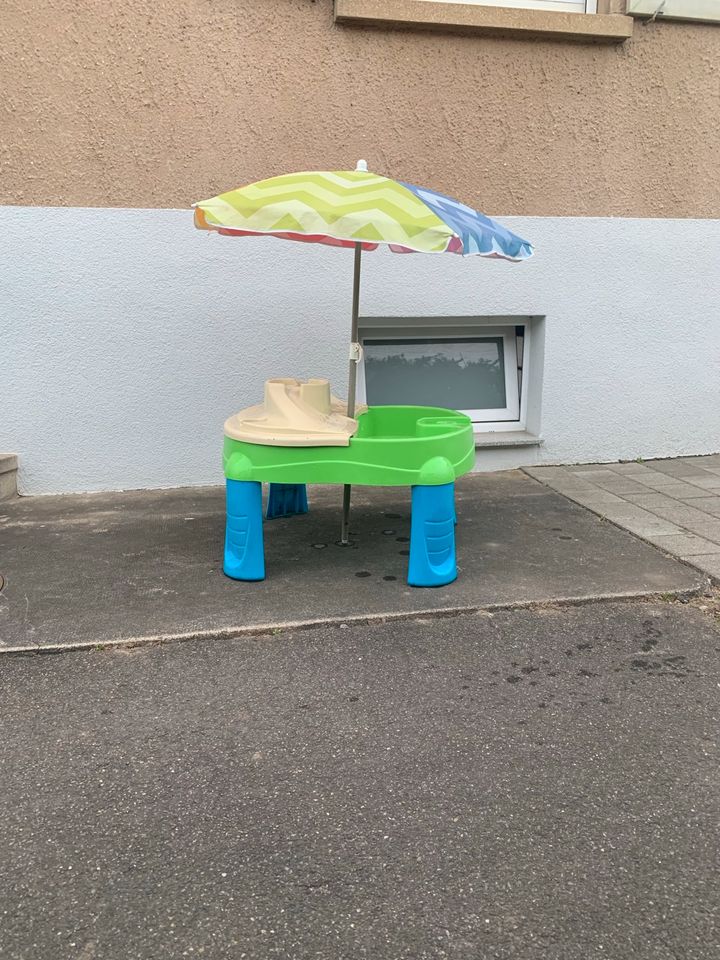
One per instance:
(362, 165)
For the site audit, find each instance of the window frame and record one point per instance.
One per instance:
(461, 328)
(692, 11)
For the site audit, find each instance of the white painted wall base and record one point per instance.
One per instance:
(128, 337)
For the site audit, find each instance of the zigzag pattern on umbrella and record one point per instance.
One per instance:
(478, 233)
(336, 187)
(348, 206)
(345, 207)
(397, 205)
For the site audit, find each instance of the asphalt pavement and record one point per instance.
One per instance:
(538, 784)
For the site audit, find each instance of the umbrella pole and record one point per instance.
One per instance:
(352, 381)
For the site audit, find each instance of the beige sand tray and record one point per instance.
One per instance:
(295, 413)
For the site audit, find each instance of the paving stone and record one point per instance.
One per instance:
(571, 483)
(707, 483)
(708, 527)
(680, 513)
(655, 501)
(597, 476)
(563, 481)
(596, 498)
(712, 459)
(656, 481)
(675, 468)
(589, 468)
(684, 491)
(707, 562)
(624, 511)
(631, 469)
(651, 527)
(709, 505)
(686, 545)
(683, 514)
(620, 485)
(572, 489)
(546, 473)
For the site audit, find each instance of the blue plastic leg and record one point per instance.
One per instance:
(244, 552)
(286, 499)
(432, 536)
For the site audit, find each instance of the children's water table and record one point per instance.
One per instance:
(299, 435)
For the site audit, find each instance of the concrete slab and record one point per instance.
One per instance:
(681, 468)
(531, 785)
(8, 476)
(684, 545)
(141, 565)
(710, 529)
(684, 491)
(620, 485)
(656, 481)
(709, 483)
(666, 507)
(709, 505)
(648, 528)
(709, 563)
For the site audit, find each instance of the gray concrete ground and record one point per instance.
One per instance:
(100, 568)
(674, 504)
(538, 784)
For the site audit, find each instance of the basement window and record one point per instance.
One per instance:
(476, 368)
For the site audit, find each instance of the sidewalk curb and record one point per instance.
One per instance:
(259, 630)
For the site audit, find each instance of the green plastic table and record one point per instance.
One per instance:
(426, 448)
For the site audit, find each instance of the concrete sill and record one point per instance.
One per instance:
(8, 462)
(8, 476)
(474, 18)
(507, 438)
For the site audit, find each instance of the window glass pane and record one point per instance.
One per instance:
(461, 374)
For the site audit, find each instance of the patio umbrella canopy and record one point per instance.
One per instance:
(360, 210)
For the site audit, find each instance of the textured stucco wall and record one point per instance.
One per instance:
(159, 104)
(128, 337)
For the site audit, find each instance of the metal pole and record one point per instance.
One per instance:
(352, 372)
(352, 381)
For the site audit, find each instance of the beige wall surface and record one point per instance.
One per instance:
(131, 103)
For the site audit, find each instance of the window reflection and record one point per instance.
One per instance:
(466, 374)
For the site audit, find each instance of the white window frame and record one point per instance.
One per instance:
(702, 11)
(514, 417)
(556, 6)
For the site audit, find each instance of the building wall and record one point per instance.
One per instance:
(139, 104)
(128, 337)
